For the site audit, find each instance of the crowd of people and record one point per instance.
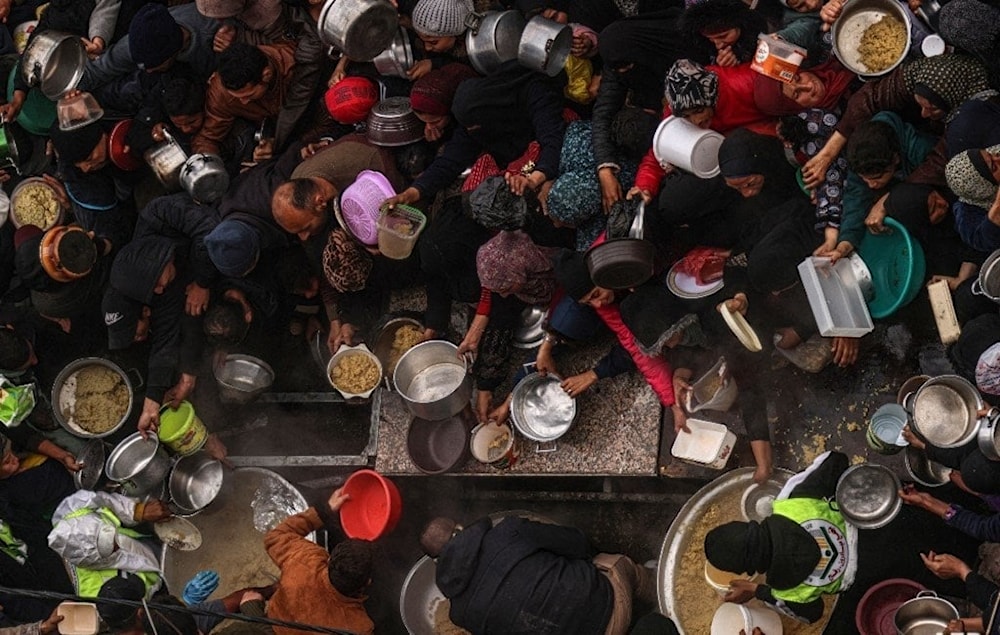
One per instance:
(519, 173)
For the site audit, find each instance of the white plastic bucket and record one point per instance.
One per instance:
(680, 143)
(730, 618)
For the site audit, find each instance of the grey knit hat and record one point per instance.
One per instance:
(689, 86)
(967, 182)
(441, 18)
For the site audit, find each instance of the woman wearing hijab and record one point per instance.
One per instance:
(976, 124)
(930, 88)
(515, 273)
(974, 175)
(808, 550)
(723, 32)
(825, 86)
(499, 115)
(636, 52)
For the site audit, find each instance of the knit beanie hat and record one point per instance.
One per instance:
(441, 18)
(351, 99)
(75, 145)
(688, 86)
(965, 179)
(154, 36)
(345, 264)
(434, 92)
(220, 9)
(233, 247)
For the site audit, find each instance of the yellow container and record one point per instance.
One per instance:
(181, 429)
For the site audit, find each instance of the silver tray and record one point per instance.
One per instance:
(867, 495)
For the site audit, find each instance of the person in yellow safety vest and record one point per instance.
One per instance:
(92, 532)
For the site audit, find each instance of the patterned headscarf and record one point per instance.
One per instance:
(947, 81)
(966, 180)
(510, 263)
(346, 264)
(688, 86)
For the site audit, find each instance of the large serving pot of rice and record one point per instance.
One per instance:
(92, 397)
(872, 37)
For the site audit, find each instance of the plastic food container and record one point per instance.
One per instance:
(398, 230)
(709, 444)
(835, 298)
(680, 143)
(79, 618)
(776, 58)
(732, 618)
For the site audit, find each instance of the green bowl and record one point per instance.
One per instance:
(38, 112)
(897, 266)
(802, 182)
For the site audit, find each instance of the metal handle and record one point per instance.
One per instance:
(927, 594)
(548, 50)
(539, 449)
(977, 287)
(527, 367)
(139, 383)
(637, 228)
(473, 21)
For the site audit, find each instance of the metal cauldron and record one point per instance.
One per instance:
(54, 61)
(138, 465)
(433, 380)
(360, 28)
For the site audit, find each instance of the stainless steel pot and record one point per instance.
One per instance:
(946, 411)
(492, 39)
(195, 481)
(392, 123)
(62, 394)
(988, 282)
(166, 160)
(541, 410)
(139, 465)
(545, 45)
(867, 495)
(926, 613)
(397, 58)
(204, 177)
(361, 29)
(923, 470)
(433, 380)
(851, 24)
(988, 436)
(622, 263)
(54, 61)
(241, 378)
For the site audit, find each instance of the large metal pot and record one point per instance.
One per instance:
(9, 158)
(493, 39)
(622, 263)
(397, 58)
(851, 24)
(945, 411)
(139, 465)
(926, 613)
(54, 61)
(166, 160)
(988, 436)
(433, 380)
(63, 394)
(988, 282)
(204, 177)
(241, 378)
(361, 29)
(541, 410)
(195, 481)
(544, 45)
(392, 123)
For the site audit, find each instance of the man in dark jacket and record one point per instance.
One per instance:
(522, 576)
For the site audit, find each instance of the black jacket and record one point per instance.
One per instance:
(524, 577)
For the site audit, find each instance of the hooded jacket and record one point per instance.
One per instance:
(523, 577)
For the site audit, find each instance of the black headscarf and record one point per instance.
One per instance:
(652, 43)
(976, 124)
(572, 274)
(448, 249)
(654, 315)
(745, 152)
(739, 547)
(719, 15)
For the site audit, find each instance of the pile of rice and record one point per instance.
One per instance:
(882, 44)
(100, 399)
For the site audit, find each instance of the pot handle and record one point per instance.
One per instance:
(545, 447)
(977, 287)
(548, 51)
(139, 383)
(473, 21)
(637, 229)
(927, 593)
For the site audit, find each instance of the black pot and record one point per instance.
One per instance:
(621, 264)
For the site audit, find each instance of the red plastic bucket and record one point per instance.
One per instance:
(374, 506)
(877, 608)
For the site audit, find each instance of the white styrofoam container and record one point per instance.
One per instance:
(835, 298)
(708, 444)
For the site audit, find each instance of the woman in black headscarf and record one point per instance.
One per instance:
(636, 53)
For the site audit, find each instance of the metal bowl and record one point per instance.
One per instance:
(857, 16)
(384, 341)
(758, 501)
(16, 194)
(923, 470)
(393, 123)
(139, 465)
(868, 495)
(63, 396)
(242, 378)
(195, 481)
(92, 457)
(946, 411)
(540, 408)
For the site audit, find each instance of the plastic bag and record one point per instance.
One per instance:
(620, 218)
(16, 402)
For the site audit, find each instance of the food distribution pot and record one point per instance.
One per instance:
(541, 410)
(492, 39)
(987, 283)
(545, 45)
(397, 58)
(139, 465)
(195, 481)
(54, 61)
(926, 613)
(945, 411)
(847, 30)
(361, 29)
(204, 177)
(433, 380)
(59, 399)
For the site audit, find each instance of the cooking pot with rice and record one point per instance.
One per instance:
(872, 37)
(92, 397)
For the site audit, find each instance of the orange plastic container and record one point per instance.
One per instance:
(374, 507)
(776, 58)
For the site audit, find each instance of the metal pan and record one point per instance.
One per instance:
(867, 495)
(92, 457)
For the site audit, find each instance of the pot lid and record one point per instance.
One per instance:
(530, 333)
(741, 328)
(867, 495)
(541, 409)
(178, 533)
(436, 447)
(92, 458)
